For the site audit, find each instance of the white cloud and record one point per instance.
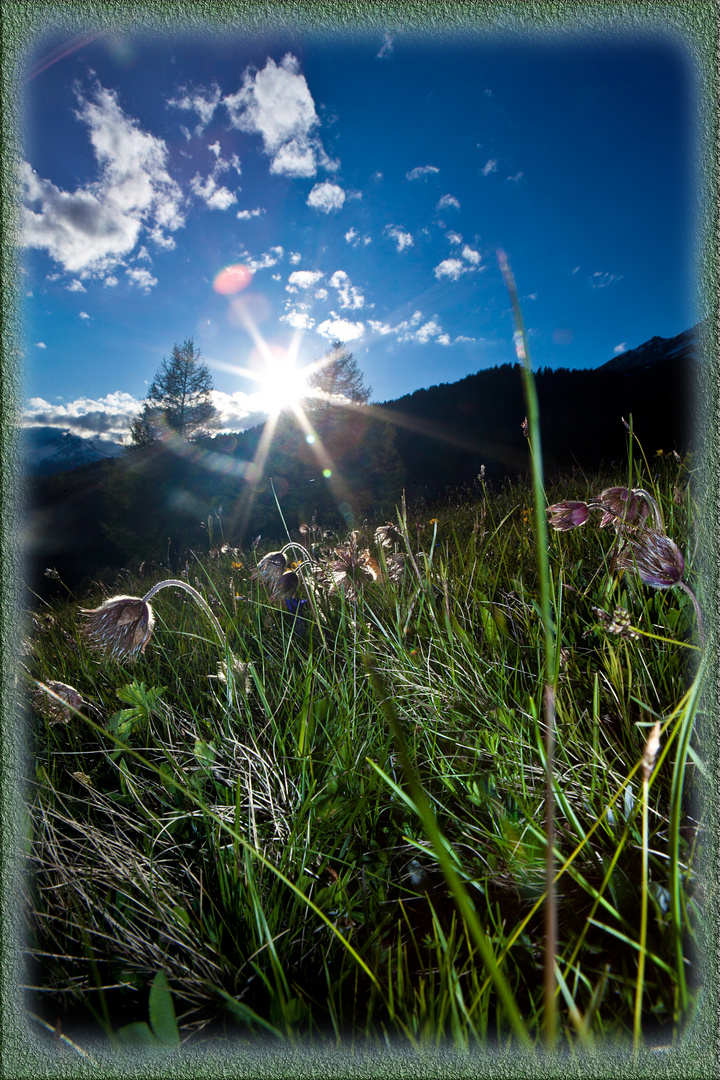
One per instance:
(471, 255)
(337, 329)
(267, 259)
(446, 202)
(421, 170)
(322, 294)
(326, 197)
(516, 178)
(76, 286)
(84, 315)
(276, 104)
(108, 417)
(401, 238)
(89, 231)
(489, 167)
(451, 268)
(40, 345)
(143, 279)
(110, 281)
(216, 198)
(621, 348)
(245, 215)
(412, 330)
(454, 237)
(295, 257)
(202, 102)
(304, 279)
(299, 320)
(348, 294)
(353, 238)
(386, 48)
(601, 280)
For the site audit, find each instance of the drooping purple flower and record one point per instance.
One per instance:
(568, 514)
(653, 556)
(625, 508)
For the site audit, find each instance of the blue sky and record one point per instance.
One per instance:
(366, 184)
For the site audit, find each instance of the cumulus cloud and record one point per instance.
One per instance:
(245, 215)
(402, 239)
(142, 279)
(105, 418)
(203, 102)
(348, 294)
(386, 48)
(451, 268)
(353, 238)
(305, 279)
(89, 231)
(420, 171)
(84, 315)
(299, 320)
(40, 345)
(446, 202)
(621, 348)
(326, 197)
(214, 196)
(454, 237)
(267, 259)
(74, 286)
(516, 178)
(412, 330)
(601, 280)
(471, 255)
(276, 104)
(337, 329)
(489, 167)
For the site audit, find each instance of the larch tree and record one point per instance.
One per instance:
(179, 399)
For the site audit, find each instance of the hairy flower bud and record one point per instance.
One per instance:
(121, 626)
(568, 515)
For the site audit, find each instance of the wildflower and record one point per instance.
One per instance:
(387, 536)
(654, 557)
(57, 701)
(352, 569)
(121, 626)
(270, 567)
(627, 508)
(285, 586)
(236, 565)
(568, 515)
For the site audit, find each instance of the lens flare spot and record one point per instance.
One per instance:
(310, 439)
(327, 473)
(232, 279)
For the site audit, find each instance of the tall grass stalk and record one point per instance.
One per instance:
(550, 672)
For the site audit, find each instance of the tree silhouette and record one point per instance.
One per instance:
(338, 380)
(178, 399)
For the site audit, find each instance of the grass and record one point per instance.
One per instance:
(332, 829)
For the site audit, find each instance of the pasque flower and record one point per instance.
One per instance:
(568, 514)
(121, 626)
(653, 556)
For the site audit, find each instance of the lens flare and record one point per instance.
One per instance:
(232, 279)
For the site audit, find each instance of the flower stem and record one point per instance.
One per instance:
(196, 596)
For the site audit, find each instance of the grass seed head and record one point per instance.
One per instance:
(121, 626)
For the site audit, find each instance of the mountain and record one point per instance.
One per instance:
(654, 351)
(48, 450)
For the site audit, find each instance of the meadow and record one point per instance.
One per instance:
(305, 796)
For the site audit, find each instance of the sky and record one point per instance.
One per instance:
(359, 189)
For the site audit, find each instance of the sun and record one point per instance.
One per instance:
(282, 385)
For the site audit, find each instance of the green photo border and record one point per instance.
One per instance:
(24, 1052)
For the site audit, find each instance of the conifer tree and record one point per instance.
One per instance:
(178, 400)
